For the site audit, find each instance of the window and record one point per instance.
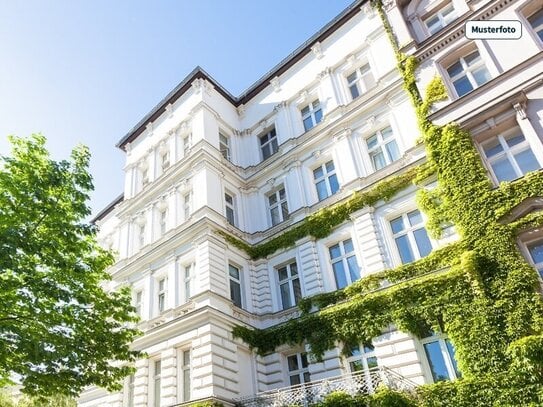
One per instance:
(186, 144)
(187, 281)
(298, 371)
(361, 358)
(277, 203)
(157, 371)
(224, 146)
(326, 180)
(141, 235)
(509, 155)
(289, 285)
(161, 295)
(536, 255)
(268, 144)
(165, 160)
(344, 264)
(162, 221)
(443, 17)
(410, 236)
(187, 205)
(536, 21)
(382, 148)
(185, 374)
(440, 356)
(230, 209)
(144, 176)
(130, 391)
(235, 285)
(360, 81)
(468, 73)
(312, 115)
(138, 302)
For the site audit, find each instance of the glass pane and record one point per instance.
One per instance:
(436, 361)
(307, 377)
(354, 350)
(305, 111)
(292, 362)
(275, 216)
(316, 105)
(462, 86)
(348, 246)
(354, 91)
(433, 24)
(503, 170)
(481, 75)
(404, 248)
(514, 139)
(294, 380)
(318, 115)
(397, 225)
(455, 69)
(235, 293)
(423, 243)
(233, 271)
(283, 275)
(228, 199)
(304, 359)
(297, 290)
(368, 348)
(371, 141)
(356, 366)
(293, 269)
(378, 159)
(186, 385)
(282, 194)
(284, 210)
(352, 77)
(354, 270)
(318, 173)
(372, 362)
(308, 123)
(339, 274)
(186, 358)
(274, 146)
(536, 251)
(266, 151)
(392, 150)
(285, 296)
(526, 161)
(472, 58)
(322, 192)
(330, 166)
(334, 185)
(263, 139)
(414, 217)
(492, 148)
(272, 199)
(450, 349)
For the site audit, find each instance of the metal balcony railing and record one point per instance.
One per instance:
(365, 382)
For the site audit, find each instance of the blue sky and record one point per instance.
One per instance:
(88, 71)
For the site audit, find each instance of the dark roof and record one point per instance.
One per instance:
(102, 214)
(255, 88)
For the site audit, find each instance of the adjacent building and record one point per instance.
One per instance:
(330, 119)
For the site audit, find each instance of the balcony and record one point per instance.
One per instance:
(364, 382)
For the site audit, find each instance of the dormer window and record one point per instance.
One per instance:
(440, 19)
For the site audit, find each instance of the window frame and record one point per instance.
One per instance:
(230, 208)
(302, 370)
(157, 381)
(161, 294)
(360, 76)
(224, 146)
(450, 363)
(236, 281)
(314, 113)
(138, 302)
(343, 258)
(141, 235)
(187, 205)
(381, 145)
(459, 56)
(280, 205)
(437, 12)
(271, 143)
(187, 278)
(289, 281)
(163, 221)
(184, 392)
(326, 178)
(396, 254)
(506, 129)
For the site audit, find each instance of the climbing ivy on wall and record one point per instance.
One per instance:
(479, 290)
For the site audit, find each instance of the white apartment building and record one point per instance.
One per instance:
(330, 119)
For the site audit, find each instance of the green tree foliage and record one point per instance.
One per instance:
(60, 330)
